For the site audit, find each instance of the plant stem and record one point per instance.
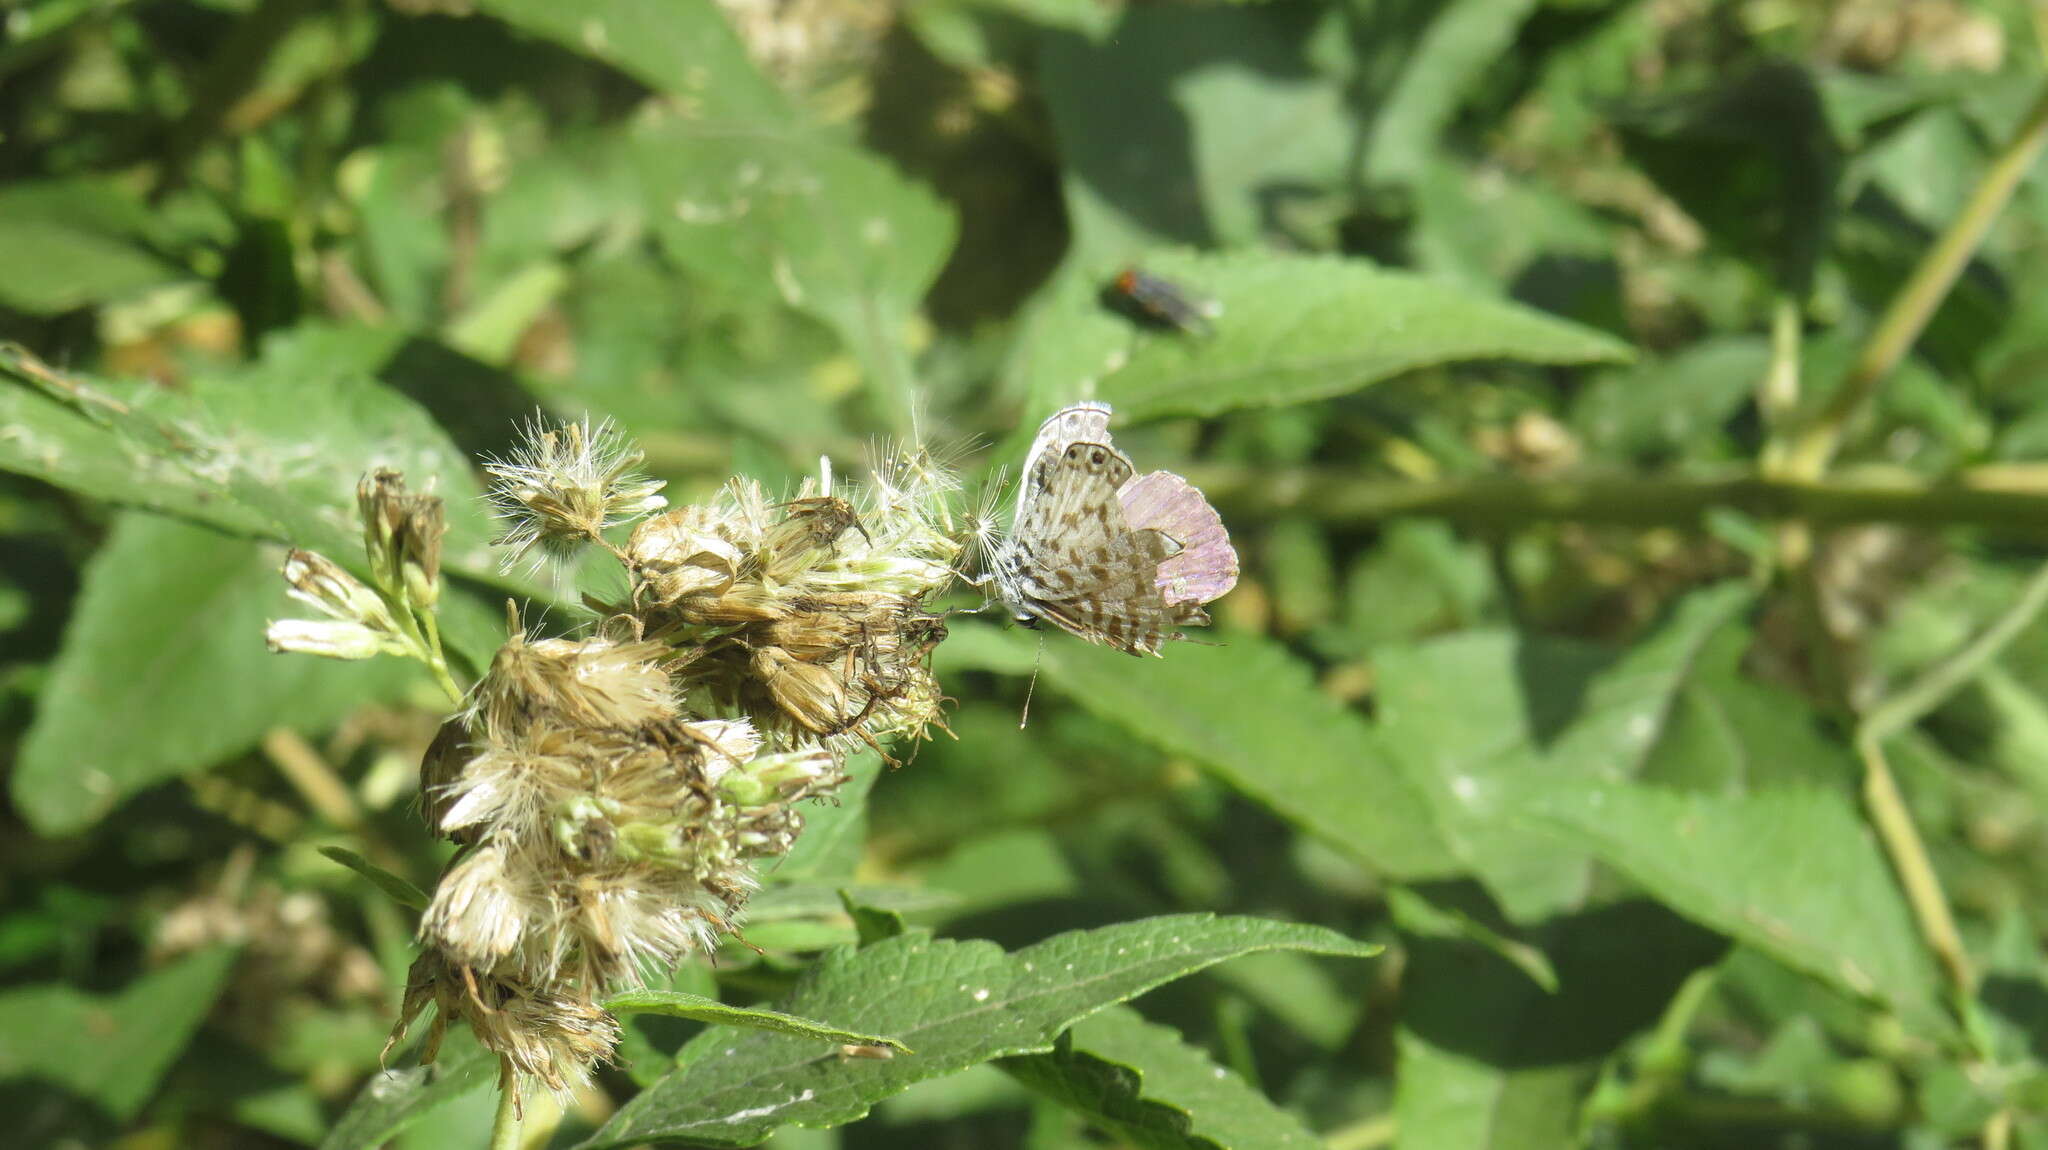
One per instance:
(309, 774)
(505, 1127)
(437, 658)
(1932, 687)
(1888, 808)
(1908, 856)
(1998, 1131)
(1907, 315)
(1369, 1134)
(2003, 499)
(1777, 393)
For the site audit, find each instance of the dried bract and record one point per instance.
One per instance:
(608, 836)
(806, 615)
(402, 535)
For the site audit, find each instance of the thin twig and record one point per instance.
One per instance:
(1370, 1134)
(1907, 315)
(1933, 686)
(1888, 809)
(307, 771)
(1777, 393)
(1908, 854)
(310, 774)
(2003, 499)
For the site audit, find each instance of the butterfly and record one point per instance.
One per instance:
(1111, 558)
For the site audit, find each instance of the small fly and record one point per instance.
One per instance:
(1159, 303)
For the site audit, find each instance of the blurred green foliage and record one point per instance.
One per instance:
(1643, 659)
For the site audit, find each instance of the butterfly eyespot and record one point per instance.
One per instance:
(1096, 457)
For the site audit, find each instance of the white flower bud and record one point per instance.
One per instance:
(330, 638)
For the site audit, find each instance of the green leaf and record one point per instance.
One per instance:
(110, 1050)
(1250, 712)
(1672, 407)
(395, 1099)
(1491, 1061)
(958, 1003)
(490, 330)
(274, 450)
(1464, 40)
(872, 923)
(66, 244)
(780, 902)
(1422, 578)
(834, 831)
(746, 195)
(1438, 912)
(1149, 1087)
(1293, 329)
(401, 891)
(1479, 718)
(1215, 111)
(699, 1008)
(1754, 160)
(1928, 166)
(164, 671)
(772, 211)
(1793, 872)
(682, 47)
(1486, 229)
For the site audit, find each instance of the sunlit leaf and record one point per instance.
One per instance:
(164, 671)
(956, 1003)
(1291, 329)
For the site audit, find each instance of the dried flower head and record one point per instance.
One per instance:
(577, 683)
(606, 836)
(564, 486)
(806, 615)
(402, 535)
(548, 1034)
(612, 793)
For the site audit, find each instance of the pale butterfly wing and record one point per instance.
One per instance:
(1206, 566)
(1080, 423)
(1076, 558)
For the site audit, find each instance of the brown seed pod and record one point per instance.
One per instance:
(681, 553)
(813, 636)
(809, 525)
(818, 697)
(440, 767)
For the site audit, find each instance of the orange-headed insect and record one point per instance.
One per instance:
(1160, 303)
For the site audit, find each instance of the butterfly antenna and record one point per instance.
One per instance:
(1032, 686)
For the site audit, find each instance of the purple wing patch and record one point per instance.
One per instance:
(1206, 565)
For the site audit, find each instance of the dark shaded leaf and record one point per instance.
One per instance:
(1145, 1083)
